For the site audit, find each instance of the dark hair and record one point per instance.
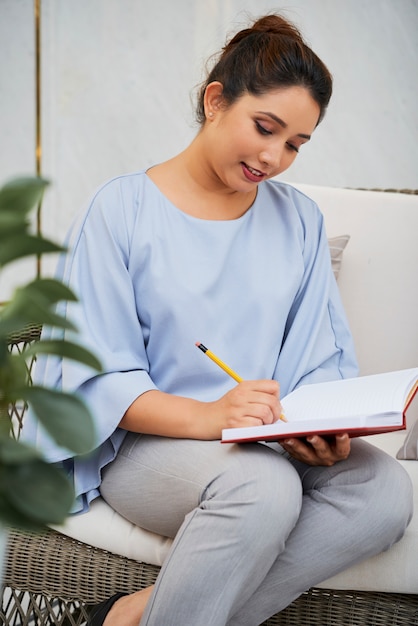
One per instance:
(269, 55)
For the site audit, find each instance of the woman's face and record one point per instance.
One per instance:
(258, 137)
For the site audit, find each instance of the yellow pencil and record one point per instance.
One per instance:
(218, 361)
(225, 367)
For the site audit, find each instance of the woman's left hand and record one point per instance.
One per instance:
(315, 450)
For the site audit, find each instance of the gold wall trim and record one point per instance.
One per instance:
(38, 117)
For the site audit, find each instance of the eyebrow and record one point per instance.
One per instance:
(282, 123)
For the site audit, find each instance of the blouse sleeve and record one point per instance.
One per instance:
(96, 267)
(317, 344)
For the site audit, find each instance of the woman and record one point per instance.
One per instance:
(204, 247)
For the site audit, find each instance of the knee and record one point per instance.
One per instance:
(389, 496)
(261, 491)
(396, 498)
(277, 494)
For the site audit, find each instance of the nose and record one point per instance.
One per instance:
(272, 156)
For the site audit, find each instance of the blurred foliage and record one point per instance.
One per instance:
(33, 492)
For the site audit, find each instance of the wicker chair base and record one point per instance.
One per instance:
(52, 580)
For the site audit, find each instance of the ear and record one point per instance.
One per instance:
(213, 99)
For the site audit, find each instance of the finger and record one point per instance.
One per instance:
(300, 451)
(320, 445)
(262, 411)
(260, 398)
(316, 452)
(263, 385)
(327, 453)
(342, 445)
(244, 421)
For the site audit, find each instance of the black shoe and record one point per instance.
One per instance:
(99, 611)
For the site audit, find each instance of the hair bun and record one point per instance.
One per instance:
(269, 24)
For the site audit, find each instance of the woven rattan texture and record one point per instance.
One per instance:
(61, 566)
(51, 579)
(18, 342)
(63, 575)
(27, 335)
(413, 192)
(21, 608)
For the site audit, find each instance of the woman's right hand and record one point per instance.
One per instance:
(250, 403)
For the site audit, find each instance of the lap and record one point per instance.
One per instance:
(154, 479)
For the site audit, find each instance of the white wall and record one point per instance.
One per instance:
(117, 76)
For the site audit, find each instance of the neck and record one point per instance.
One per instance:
(203, 180)
(192, 185)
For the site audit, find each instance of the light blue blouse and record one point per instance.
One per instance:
(152, 281)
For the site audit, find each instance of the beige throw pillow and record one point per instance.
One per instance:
(336, 248)
(409, 449)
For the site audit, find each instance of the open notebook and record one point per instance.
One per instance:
(365, 405)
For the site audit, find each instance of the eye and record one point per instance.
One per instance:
(292, 147)
(261, 129)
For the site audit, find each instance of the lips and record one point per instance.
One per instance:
(255, 176)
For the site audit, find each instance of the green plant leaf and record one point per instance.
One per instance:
(10, 223)
(28, 306)
(4, 352)
(13, 374)
(14, 452)
(34, 493)
(21, 194)
(65, 417)
(38, 490)
(14, 371)
(14, 518)
(65, 349)
(32, 304)
(20, 245)
(51, 290)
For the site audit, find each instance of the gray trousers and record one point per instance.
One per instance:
(252, 528)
